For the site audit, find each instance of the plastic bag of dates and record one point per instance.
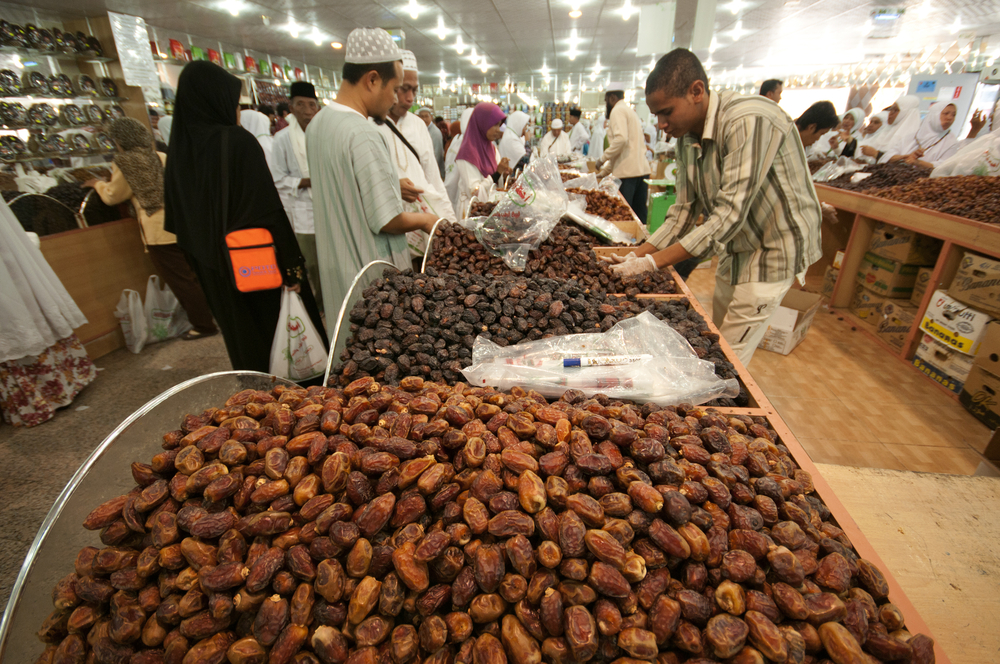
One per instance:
(449, 524)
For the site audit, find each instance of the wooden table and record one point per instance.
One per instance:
(940, 536)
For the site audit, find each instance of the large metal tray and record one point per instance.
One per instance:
(105, 474)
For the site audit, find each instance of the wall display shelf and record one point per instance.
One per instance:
(957, 234)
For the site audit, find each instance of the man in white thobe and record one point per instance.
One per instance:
(290, 168)
(437, 140)
(359, 211)
(410, 144)
(579, 135)
(556, 142)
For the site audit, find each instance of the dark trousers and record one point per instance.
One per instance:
(170, 263)
(634, 190)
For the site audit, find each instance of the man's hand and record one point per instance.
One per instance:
(617, 258)
(429, 224)
(869, 151)
(409, 191)
(829, 213)
(296, 288)
(305, 183)
(604, 169)
(834, 141)
(633, 266)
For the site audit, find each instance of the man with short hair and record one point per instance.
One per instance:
(741, 164)
(437, 139)
(772, 89)
(625, 156)
(290, 169)
(356, 201)
(818, 119)
(413, 155)
(579, 135)
(555, 143)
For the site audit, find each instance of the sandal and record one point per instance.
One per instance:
(191, 335)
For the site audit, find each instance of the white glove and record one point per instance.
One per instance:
(635, 266)
(615, 258)
(604, 171)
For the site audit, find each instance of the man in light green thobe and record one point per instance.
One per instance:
(358, 209)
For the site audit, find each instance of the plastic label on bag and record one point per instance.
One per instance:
(671, 374)
(297, 352)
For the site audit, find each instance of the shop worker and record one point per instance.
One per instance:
(358, 210)
(772, 89)
(579, 135)
(420, 183)
(625, 156)
(741, 164)
(290, 168)
(437, 138)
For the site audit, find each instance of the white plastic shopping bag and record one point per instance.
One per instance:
(297, 352)
(132, 319)
(165, 317)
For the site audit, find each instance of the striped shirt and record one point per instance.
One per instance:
(747, 174)
(355, 194)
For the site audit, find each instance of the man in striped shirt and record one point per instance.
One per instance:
(741, 164)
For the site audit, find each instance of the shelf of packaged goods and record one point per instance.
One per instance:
(45, 157)
(58, 55)
(957, 234)
(61, 100)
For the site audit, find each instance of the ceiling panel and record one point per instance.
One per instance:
(518, 36)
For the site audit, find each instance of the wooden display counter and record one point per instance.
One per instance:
(95, 265)
(958, 235)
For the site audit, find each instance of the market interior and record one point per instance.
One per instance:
(563, 205)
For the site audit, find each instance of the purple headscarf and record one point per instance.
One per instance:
(476, 148)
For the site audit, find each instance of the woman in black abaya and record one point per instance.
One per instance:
(205, 116)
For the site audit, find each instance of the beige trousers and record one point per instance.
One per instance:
(742, 312)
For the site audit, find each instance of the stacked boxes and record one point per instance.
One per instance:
(977, 284)
(953, 334)
(888, 274)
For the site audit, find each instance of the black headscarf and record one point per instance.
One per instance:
(204, 112)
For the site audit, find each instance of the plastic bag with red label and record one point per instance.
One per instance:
(980, 157)
(525, 214)
(297, 352)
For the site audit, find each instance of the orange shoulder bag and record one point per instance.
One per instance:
(252, 257)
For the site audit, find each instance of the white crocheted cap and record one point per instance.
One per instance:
(371, 46)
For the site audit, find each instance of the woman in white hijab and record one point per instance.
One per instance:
(841, 140)
(934, 141)
(904, 120)
(456, 143)
(873, 132)
(259, 125)
(512, 143)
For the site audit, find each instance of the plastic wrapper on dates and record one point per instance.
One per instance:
(426, 324)
(566, 254)
(445, 524)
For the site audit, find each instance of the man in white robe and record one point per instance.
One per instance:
(290, 169)
(556, 142)
(579, 135)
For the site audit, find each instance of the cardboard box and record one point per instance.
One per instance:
(895, 323)
(838, 259)
(988, 356)
(830, 281)
(920, 286)
(981, 397)
(887, 277)
(943, 363)
(954, 323)
(867, 305)
(977, 282)
(790, 322)
(992, 451)
(903, 245)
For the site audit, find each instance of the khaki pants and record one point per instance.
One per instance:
(742, 312)
(307, 245)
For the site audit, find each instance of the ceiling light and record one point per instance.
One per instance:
(473, 57)
(924, 10)
(233, 7)
(627, 10)
(293, 28)
(956, 26)
(572, 54)
(336, 45)
(575, 13)
(316, 37)
(413, 8)
(737, 5)
(738, 31)
(708, 64)
(459, 46)
(441, 32)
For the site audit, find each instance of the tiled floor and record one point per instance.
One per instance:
(849, 402)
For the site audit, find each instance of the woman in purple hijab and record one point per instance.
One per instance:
(478, 158)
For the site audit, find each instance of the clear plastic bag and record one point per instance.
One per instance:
(577, 211)
(835, 169)
(980, 157)
(588, 181)
(641, 359)
(525, 214)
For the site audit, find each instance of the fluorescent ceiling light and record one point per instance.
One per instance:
(414, 9)
(293, 28)
(575, 13)
(336, 44)
(441, 31)
(459, 45)
(316, 37)
(736, 6)
(627, 10)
